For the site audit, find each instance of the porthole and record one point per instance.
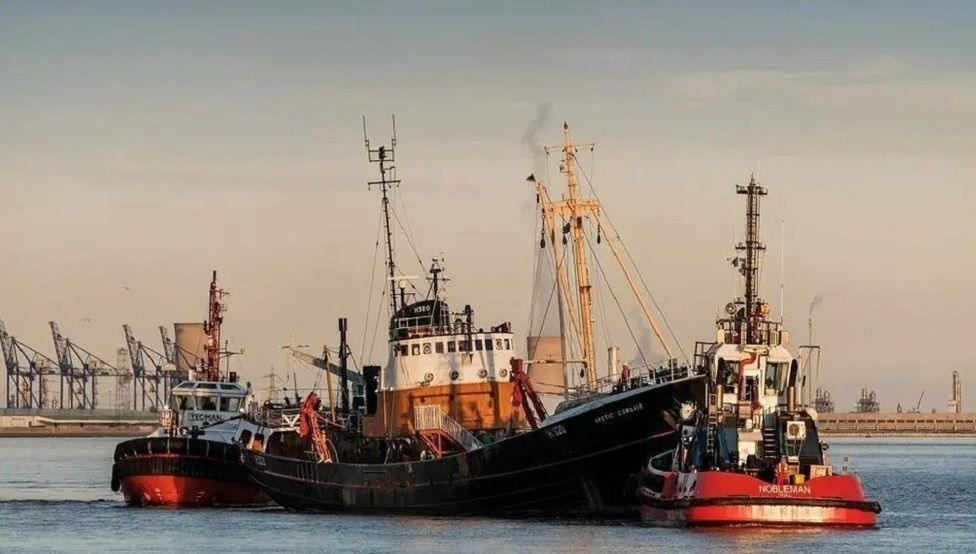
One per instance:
(455, 375)
(503, 373)
(483, 373)
(429, 377)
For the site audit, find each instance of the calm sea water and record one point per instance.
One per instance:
(54, 496)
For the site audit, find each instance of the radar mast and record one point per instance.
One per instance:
(383, 156)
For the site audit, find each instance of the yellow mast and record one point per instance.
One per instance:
(575, 208)
(563, 282)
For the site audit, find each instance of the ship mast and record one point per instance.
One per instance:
(212, 328)
(574, 208)
(383, 156)
(752, 249)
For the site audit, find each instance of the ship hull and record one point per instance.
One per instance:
(582, 462)
(714, 498)
(172, 471)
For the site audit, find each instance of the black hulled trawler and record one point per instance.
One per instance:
(453, 425)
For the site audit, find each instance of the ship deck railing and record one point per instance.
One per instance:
(763, 332)
(640, 376)
(274, 417)
(432, 418)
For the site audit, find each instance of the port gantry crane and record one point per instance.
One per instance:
(27, 371)
(153, 372)
(79, 370)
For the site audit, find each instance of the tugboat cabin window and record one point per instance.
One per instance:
(228, 404)
(489, 345)
(439, 347)
(451, 346)
(508, 344)
(208, 403)
(403, 350)
(776, 374)
(464, 346)
(477, 345)
(498, 344)
(414, 349)
(184, 402)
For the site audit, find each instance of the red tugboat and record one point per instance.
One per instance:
(749, 454)
(193, 459)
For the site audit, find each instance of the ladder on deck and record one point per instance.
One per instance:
(713, 413)
(769, 443)
(440, 431)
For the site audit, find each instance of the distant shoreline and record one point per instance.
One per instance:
(78, 431)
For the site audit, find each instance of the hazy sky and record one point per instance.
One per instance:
(143, 144)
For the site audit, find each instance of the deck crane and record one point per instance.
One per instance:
(354, 377)
(27, 371)
(79, 370)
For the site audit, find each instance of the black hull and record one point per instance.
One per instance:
(583, 462)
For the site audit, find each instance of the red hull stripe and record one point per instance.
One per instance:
(165, 490)
(771, 514)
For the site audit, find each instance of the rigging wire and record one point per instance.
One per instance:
(412, 247)
(376, 325)
(640, 275)
(409, 228)
(603, 311)
(372, 277)
(536, 272)
(542, 322)
(619, 307)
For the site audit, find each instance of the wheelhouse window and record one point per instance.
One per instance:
(414, 349)
(225, 404)
(477, 345)
(464, 346)
(439, 347)
(489, 344)
(451, 346)
(776, 376)
(207, 403)
(498, 344)
(403, 350)
(185, 402)
(508, 344)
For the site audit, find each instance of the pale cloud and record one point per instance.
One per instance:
(884, 83)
